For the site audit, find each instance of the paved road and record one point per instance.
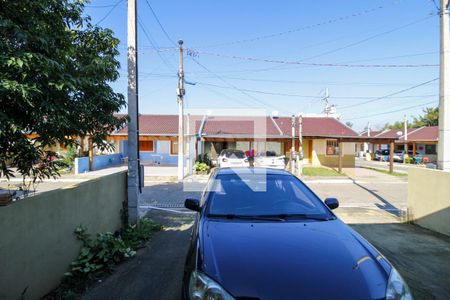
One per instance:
(398, 167)
(363, 195)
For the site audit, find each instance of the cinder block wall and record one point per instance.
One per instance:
(37, 243)
(429, 199)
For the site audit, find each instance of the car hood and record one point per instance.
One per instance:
(292, 260)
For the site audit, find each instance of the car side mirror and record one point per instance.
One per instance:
(192, 204)
(332, 203)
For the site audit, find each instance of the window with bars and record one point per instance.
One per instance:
(332, 147)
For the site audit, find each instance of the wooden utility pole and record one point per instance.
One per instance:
(180, 94)
(444, 92)
(133, 133)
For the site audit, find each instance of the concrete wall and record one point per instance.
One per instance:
(37, 243)
(429, 199)
(100, 162)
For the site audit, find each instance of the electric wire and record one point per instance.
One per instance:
(389, 95)
(392, 111)
(272, 35)
(113, 7)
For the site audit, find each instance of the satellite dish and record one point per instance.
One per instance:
(274, 114)
(399, 133)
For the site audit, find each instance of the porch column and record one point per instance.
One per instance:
(414, 149)
(373, 151)
(391, 157)
(91, 154)
(340, 155)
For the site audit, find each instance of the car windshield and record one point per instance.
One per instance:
(268, 153)
(263, 195)
(233, 154)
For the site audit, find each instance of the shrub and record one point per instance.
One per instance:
(101, 255)
(201, 167)
(409, 160)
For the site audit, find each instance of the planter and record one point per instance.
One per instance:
(201, 172)
(5, 198)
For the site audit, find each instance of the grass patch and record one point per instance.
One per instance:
(398, 174)
(319, 171)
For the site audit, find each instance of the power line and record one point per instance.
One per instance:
(337, 83)
(302, 63)
(109, 12)
(372, 37)
(153, 43)
(392, 94)
(392, 111)
(263, 37)
(160, 24)
(310, 96)
(233, 86)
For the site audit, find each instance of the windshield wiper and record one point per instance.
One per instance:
(247, 217)
(299, 217)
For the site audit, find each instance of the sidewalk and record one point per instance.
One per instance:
(157, 270)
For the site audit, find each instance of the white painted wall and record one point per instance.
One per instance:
(163, 147)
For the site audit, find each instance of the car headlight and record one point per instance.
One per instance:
(201, 287)
(397, 288)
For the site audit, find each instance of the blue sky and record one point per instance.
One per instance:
(385, 32)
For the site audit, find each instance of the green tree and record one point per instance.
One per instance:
(395, 125)
(55, 70)
(429, 118)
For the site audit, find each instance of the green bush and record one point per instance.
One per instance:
(99, 256)
(70, 156)
(409, 160)
(201, 167)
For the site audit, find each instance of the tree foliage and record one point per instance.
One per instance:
(55, 70)
(430, 117)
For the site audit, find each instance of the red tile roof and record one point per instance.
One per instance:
(317, 126)
(249, 126)
(214, 126)
(155, 125)
(372, 133)
(424, 134)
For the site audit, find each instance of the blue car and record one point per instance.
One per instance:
(263, 234)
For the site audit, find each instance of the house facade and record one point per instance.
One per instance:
(323, 138)
(421, 141)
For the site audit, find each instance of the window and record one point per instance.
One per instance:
(146, 146)
(173, 147)
(332, 147)
(430, 149)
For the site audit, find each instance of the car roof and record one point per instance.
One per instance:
(251, 171)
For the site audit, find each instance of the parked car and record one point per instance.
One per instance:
(229, 158)
(399, 155)
(270, 159)
(381, 154)
(263, 234)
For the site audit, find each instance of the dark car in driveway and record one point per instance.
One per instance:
(263, 234)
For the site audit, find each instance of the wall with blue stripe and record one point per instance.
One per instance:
(160, 154)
